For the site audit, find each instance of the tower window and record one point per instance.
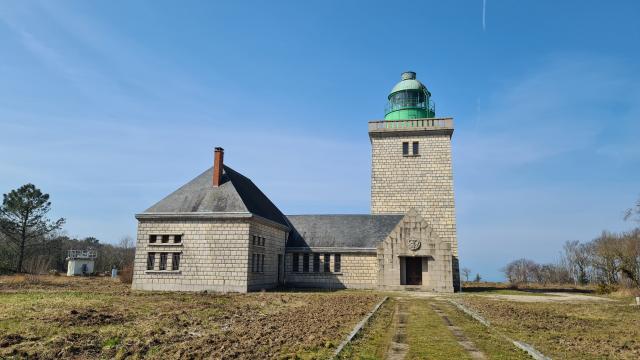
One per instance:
(416, 148)
(405, 149)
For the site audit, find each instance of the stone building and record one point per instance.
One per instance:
(219, 232)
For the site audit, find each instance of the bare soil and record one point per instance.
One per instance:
(58, 317)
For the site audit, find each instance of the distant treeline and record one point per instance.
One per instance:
(31, 242)
(609, 259)
(50, 254)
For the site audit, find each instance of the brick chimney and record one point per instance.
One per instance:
(218, 164)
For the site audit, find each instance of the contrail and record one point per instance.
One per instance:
(484, 15)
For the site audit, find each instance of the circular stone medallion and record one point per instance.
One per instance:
(414, 244)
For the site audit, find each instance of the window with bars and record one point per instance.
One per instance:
(405, 149)
(305, 263)
(336, 263)
(163, 261)
(416, 148)
(327, 263)
(175, 261)
(151, 259)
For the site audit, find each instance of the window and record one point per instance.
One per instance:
(163, 261)
(305, 263)
(253, 262)
(405, 149)
(177, 239)
(327, 263)
(151, 259)
(336, 263)
(295, 262)
(316, 262)
(261, 262)
(165, 239)
(175, 262)
(416, 148)
(152, 238)
(253, 240)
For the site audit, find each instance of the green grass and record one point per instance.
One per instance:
(373, 340)
(428, 336)
(486, 340)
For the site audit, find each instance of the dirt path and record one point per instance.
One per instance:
(462, 339)
(398, 348)
(549, 297)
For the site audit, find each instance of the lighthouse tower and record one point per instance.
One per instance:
(411, 161)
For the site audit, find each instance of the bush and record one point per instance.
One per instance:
(126, 274)
(606, 288)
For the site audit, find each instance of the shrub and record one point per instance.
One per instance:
(126, 274)
(606, 288)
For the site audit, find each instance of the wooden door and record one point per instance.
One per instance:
(414, 270)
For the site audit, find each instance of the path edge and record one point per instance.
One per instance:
(537, 355)
(358, 327)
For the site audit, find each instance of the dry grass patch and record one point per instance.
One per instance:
(58, 317)
(567, 330)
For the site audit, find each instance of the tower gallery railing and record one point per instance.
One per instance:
(435, 123)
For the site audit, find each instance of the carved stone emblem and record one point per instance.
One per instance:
(414, 244)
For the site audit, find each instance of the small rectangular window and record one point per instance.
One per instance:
(177, 239)
(163, 261)
(305, 263)
(152, 238)
(294, 262)
(262, 263)
(165, 239)
(336, 263)
(316, 262)
(175, 262)
(253, 262)
(405, 148)
(416, 148)
(327, 263)
(151, 259)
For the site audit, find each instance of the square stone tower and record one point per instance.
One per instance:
(411, 163)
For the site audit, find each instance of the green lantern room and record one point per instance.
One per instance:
(409, 99)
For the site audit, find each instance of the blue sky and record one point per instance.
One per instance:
(111, 105)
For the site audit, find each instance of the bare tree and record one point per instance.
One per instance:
(466, 272)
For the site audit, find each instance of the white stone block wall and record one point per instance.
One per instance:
(358, 271)
(423, 182)
(274, 243)
(214, 255)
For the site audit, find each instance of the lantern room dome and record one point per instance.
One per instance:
(409, 99)
(408, 82)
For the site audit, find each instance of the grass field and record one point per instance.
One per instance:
(589, 330)
(58, 317)
(52, 317)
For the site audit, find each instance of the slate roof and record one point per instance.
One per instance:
(358, 231)
(236, 194)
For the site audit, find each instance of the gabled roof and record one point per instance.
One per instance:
(352, 231)
(236, 194)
